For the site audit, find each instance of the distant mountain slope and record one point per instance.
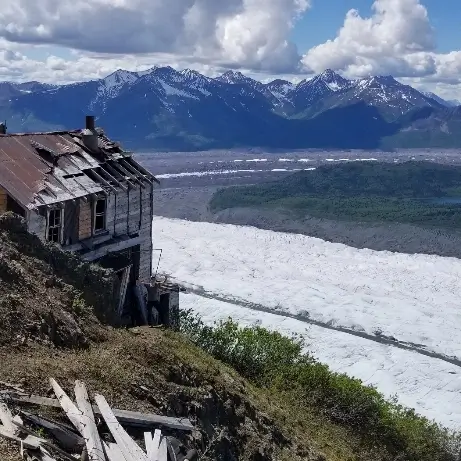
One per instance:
(162, 108)
(429, 128)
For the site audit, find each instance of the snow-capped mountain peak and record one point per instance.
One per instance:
(120, 77)
(333, 80)
(111, 85)
(232, 77)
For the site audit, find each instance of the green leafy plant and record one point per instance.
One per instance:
(272, 360)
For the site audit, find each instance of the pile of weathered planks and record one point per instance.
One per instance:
(84, 440)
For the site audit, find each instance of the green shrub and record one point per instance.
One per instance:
(271, 360)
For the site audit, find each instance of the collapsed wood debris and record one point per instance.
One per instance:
(96, 432)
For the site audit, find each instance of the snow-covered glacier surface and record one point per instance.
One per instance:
(412, 298)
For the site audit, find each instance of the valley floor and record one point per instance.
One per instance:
(410, 298)
(191, 203)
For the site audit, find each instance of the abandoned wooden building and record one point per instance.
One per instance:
(83, 192)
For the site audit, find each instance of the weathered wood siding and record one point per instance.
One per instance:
(130, 213)
(36, 224)
(85, 225)
(110, 213)
(3, 200)
(145, 231)
(71, 222)
(121, 213)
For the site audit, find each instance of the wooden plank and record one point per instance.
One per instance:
(72, 412)
(150, 449)
(30, 442)
(45, 456)
(156, 443)
(130, 449)
(90, 430)
(7, 418)
(113, 451)
(163, 450)
(66, 438)
(123, 288)
(129, 418)
(44, 442)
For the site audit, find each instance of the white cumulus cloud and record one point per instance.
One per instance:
(396, 38)
(235, 32)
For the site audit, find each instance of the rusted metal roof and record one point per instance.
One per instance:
(43, 168)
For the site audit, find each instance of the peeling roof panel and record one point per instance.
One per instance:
(45, 168)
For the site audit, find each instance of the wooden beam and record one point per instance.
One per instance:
(90, 430)
(129, 448)
(143, 170)
(66, 437)
(115, 172)
(50, 191)
(140, 170)
(29, 442)
(7, 418)
(150, 448)
(112, 178)
(113, 451)
(163, 450)
(37, 196)
(73, 413)
(43, 442)
(128, 418)
(103, 181)
(118, 167)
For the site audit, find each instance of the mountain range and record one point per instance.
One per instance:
(162, 108)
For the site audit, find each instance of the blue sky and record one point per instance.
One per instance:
(254, 37)
(326, 17)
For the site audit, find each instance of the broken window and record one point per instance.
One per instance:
(54, 225)
(100, 215)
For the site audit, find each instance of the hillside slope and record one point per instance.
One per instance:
(49, 309)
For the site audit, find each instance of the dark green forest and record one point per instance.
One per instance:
(411, 192)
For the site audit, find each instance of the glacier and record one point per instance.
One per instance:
(413, 299)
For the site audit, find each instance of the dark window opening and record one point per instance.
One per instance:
(54, 225)
(100, 215)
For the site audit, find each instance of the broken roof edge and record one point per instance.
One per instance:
(32, 133)
(125, 153)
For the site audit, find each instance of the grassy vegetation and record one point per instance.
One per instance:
(277, 363)
(405, 193)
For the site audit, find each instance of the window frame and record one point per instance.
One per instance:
(96, 215)
(60, 210)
